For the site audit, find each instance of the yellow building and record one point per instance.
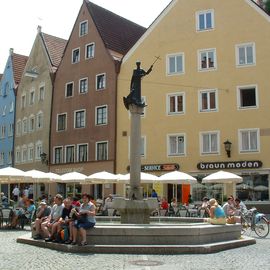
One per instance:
(211, 85)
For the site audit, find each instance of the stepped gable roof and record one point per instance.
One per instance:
(55, 47)
(117, 33)
(18, 63)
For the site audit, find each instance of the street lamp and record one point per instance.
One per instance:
(228, 146)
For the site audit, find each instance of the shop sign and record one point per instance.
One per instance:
(246, 164)
(158, 167)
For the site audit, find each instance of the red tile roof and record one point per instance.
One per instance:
(55, 47)
(117, 33)
(18, 64)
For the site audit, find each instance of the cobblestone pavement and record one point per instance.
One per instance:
(21, 256)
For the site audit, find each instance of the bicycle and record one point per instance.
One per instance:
(252, 220)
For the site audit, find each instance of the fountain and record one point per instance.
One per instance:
(137, 232)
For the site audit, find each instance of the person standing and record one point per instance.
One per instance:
(16, 193)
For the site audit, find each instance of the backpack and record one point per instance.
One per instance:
(64, 234)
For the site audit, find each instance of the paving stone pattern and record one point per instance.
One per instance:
(20, 256)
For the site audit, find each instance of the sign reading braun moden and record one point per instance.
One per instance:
(246, 164)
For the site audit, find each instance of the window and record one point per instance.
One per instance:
(79, 119)
(75, 56)
(10, 130)
(40, 120)
(83, 28)
(100, 81)
(18, 155)
(2, 158)
(11, 108)
(89, 50)
(6, 89)
(176, 145)
(210, 143)
(102, 151)
(38, 150)
(247, 97)
(41, 93)
(245, 54)
(70, 152)
(61, 122)
(83, 85)
(31, 123)
(30, 152)
(208, 100)
(101, 115)
(175, 103)
(24, 154)
(207, 59)
(3, 132)
(19, 128)
(249, 140)
(82, 152)
(4, 110)
(23, 102)
(175, 64)
(24, 126)
(205, 20)
(10, 157)
(58, 155)
(32, 98)
(69, 89)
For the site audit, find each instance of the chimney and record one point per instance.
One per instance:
(11, 50)
(39, 29)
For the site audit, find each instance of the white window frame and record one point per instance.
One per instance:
(10, 129)
(237, 55)
(92, 44)
(83, 79)
(39, 121)
(96, 115)
(177, 136)
(30, 150)
(31, 126)
(217, 132)
(24, 154)
(41, 94)
(208, 92)
(87, 149)
(32, 97)
(249, 130)
(38, 150)
(24, 125)
(207, 68)
(75, 118)
(175, 95)
(204, 12)
(80, 28)
(75, 62)
(61, 153)
(107, 150)
(74, 153)
(175, 55)
(57, 122)
(19, 128)
(243, 87)
(66, 85)
(9, 157)
(18, 155)
(11, 108)
(98, 75)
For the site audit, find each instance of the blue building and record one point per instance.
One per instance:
(8, 86)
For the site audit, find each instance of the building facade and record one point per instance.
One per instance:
(211, 86)
(83, 126)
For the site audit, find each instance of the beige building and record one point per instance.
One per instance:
(211, 85)
(33, 103)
